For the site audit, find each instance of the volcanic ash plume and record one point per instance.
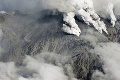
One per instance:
(85, 10)
(111, 14)
(70, 25)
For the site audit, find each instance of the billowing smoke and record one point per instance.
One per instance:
(85, 10)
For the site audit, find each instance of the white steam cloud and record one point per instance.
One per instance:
(102, 5)
(84, 9)
(35, 68)
(110, 54)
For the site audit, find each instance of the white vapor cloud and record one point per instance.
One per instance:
(110, 54)
(35, 68)
(101, 5)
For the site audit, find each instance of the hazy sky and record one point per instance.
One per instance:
(37, 5)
